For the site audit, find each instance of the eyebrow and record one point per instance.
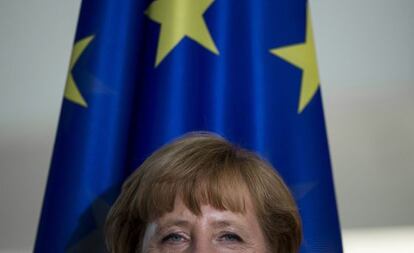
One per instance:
(227, 223)
(221, 223)
(175, 222)
(240, 229)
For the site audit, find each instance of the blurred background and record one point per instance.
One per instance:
(366, 64)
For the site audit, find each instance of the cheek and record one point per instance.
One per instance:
(159, 249)
(258, 238)
(260, 242)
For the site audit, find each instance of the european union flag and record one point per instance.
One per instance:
(146, 71)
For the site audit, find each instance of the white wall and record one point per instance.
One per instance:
(366, 65)
(35, 43)
(366, 62)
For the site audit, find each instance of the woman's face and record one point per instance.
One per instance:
(212, 231)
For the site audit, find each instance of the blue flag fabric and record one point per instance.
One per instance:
(146, 71)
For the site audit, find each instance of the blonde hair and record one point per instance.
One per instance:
(203, 168)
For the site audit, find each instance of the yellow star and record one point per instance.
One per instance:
(180, 18)
(72, 92)
(303, 56)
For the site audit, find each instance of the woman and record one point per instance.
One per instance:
(199, 194)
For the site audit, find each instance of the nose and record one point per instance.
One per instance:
(203, 245)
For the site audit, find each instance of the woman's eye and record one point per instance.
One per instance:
(174, 238)
(231, 237)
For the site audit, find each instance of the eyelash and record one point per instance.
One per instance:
(171, 237)
(230, 237)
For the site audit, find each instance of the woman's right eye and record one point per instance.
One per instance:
(173, 238)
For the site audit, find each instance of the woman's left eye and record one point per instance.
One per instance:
(231, 237)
